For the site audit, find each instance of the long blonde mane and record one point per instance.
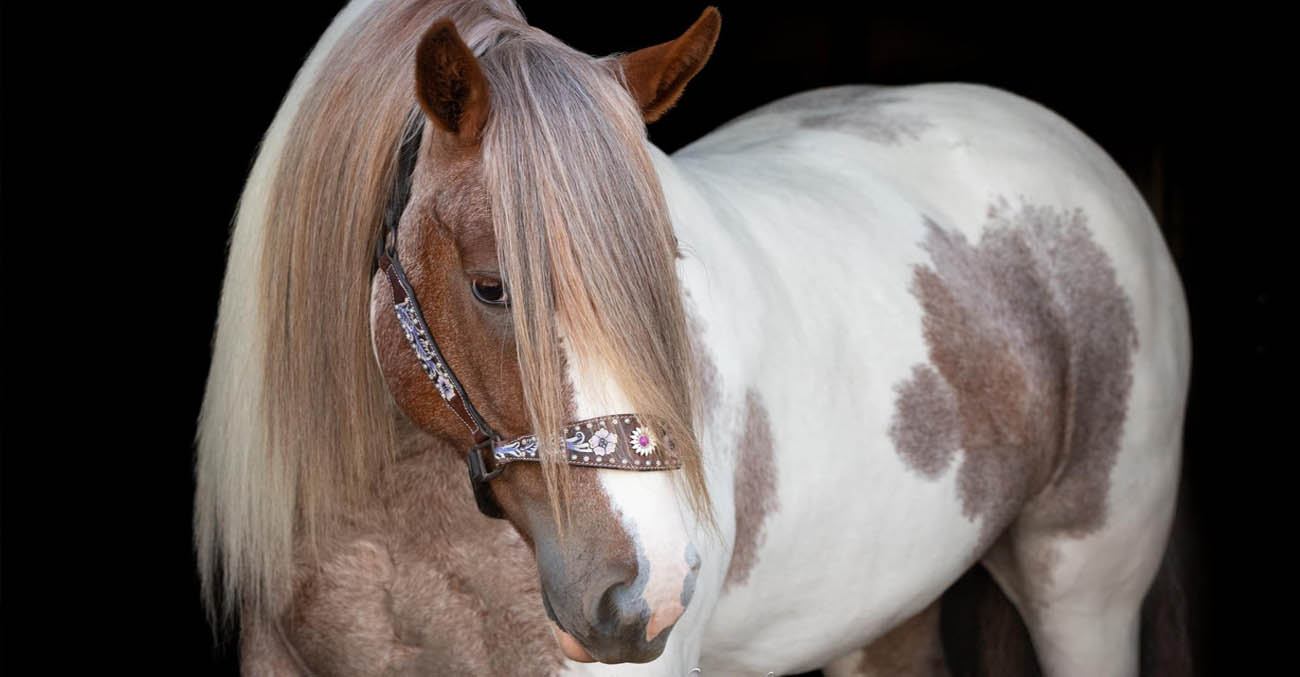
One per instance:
(296, 420)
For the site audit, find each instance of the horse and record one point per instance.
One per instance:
(867, 336)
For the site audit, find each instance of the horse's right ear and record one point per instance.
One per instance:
(657, 75)
(449, 83)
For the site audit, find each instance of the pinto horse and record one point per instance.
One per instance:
(744, 409)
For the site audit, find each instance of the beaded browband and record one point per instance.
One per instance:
(617, 442)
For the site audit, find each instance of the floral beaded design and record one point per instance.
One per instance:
(642, 442)
(525, 448)
(422, 344)
(603, 442)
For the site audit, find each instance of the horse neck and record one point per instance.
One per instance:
(709, 254)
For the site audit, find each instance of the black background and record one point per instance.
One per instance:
(128, 134)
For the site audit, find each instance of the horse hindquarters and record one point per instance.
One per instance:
(1079, 574)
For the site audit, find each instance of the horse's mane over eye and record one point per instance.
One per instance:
(584, 237)
(296, 417)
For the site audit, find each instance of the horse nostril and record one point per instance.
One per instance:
(619, 606)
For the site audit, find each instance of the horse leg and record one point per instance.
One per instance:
(913, 649)
(1081, 595)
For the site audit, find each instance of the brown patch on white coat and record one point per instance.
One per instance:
(912, 649)
(873, 113)
(755, 489)
(754, 480)
(1031, 341)
(708, 393)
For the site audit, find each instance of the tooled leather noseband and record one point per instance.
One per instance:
(617, 442)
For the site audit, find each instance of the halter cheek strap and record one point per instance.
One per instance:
(617, 442)
(426, 350)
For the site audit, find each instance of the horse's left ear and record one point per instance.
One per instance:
(657, 75)
(449, 84)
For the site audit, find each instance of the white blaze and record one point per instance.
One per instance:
(646, 502)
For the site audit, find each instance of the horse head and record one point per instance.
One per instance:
(531, 231)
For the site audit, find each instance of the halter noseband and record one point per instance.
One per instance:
(616, 442)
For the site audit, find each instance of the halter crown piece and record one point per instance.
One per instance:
(616, 441)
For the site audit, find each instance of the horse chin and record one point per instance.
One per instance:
(575, 651)
(570, 646)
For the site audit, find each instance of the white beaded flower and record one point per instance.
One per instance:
(603, 442)
(443, 382)
(642, 442)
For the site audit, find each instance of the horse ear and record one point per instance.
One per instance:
(657, 75)
(449, 83)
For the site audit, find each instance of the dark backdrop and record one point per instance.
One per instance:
(128, 134)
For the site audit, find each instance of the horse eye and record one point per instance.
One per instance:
(490, 291)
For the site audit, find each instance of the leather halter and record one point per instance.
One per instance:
(616, 441)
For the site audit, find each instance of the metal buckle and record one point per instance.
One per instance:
(480, 476)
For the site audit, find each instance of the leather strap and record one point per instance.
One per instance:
(427, 352)
(619, 442)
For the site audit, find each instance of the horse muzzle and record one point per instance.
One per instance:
(614, 622)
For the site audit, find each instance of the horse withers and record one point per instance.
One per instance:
(885, 333)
